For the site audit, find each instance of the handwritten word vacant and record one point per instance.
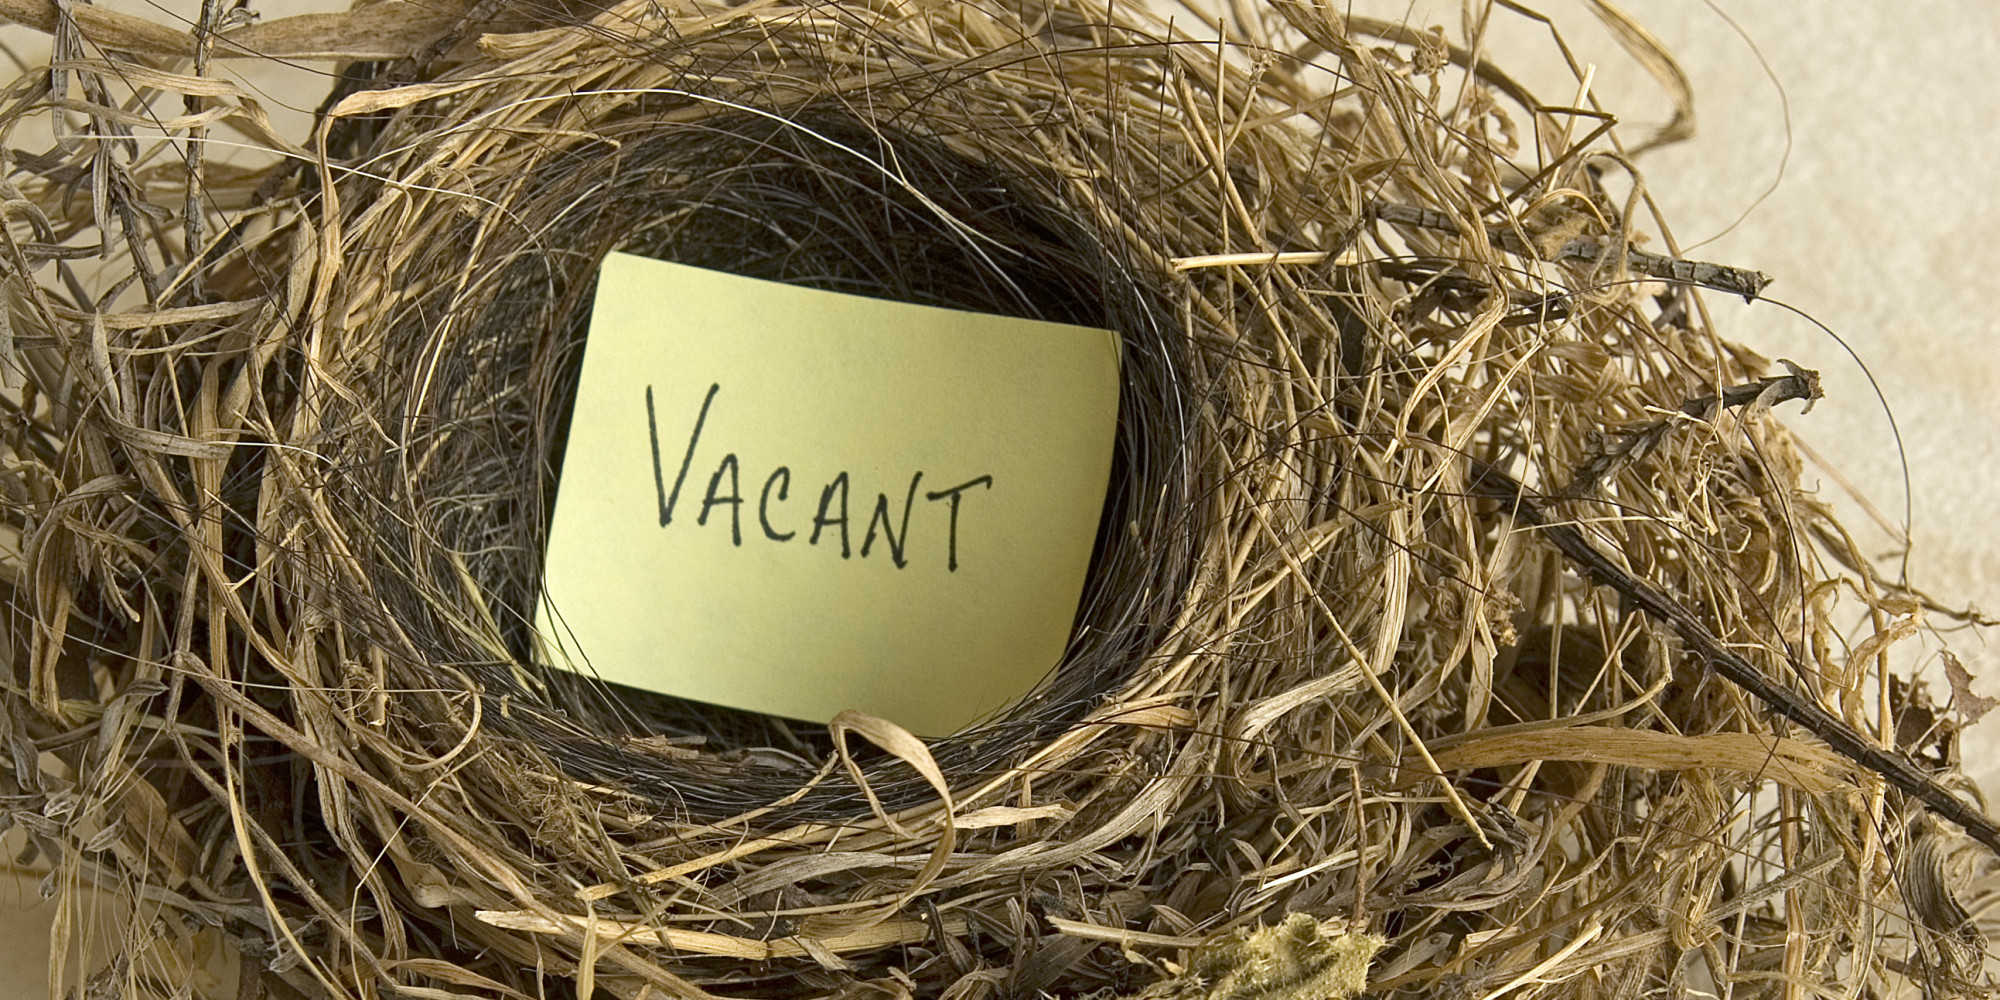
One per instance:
(831, 519)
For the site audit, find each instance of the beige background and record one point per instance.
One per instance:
(1885, 226)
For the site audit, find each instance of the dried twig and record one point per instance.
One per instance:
(1490, 482)
(1593, 250)
(1634, 445)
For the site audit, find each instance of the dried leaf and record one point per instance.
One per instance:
(1776, 758)
(1969, 706)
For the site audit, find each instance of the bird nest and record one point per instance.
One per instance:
(1436, 500)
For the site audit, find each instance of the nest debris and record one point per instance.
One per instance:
(278, 465)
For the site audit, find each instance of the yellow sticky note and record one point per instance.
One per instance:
(798, 502)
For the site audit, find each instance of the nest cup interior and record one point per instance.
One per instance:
(819, 198)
